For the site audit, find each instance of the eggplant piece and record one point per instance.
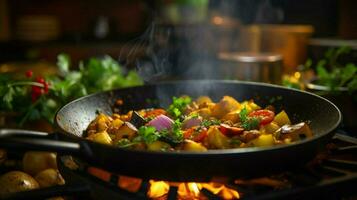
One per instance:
(137, 120)
(294, 132)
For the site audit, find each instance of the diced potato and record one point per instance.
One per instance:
(205, 113)
(190, 145)
(117, 123)
(263, 140)
(224, 106)
(102, 122)
(231, 116)
(158, 146)
(127, 130)
(282, 119)
(203, 100)
(102, 137)
(271, 127)
(253, 106)
(216, 139)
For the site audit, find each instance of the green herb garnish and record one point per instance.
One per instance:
(148, 134)
(207, 123)
(248, 123)
(176, 109)
(331, 73)
(33, 97)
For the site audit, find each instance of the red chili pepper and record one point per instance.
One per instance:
(265, 116)
(230, 130)
(29, 73)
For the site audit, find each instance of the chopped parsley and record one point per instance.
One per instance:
(125, 143)
(148, 134)
(178, 106)
(207, 123)
(248, 123)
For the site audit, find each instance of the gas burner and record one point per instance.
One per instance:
(331, 175)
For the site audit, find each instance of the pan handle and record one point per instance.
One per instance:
(40, 141)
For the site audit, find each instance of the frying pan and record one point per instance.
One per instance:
(322, 116)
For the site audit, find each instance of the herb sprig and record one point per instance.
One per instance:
(35, 97)
(248, 123)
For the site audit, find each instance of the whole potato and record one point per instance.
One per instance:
(16, 181)
(49, 177)
(37, 161)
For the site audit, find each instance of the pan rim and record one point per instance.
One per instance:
(211, 151)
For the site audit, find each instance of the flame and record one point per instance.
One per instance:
(158, 189)
(190, 190)
(221, 190)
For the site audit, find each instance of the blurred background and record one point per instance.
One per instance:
(186, 38)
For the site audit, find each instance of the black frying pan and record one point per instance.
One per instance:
(73, 118)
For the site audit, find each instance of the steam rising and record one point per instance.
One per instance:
(189, 50)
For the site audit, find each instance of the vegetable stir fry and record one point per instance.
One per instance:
(198, 125)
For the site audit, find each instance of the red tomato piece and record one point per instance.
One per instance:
(155, 112)
(188, 133)
(200, 136)
(265, 116)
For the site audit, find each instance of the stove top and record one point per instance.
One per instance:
(331, 175)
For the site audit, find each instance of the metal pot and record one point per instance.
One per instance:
(260, 67)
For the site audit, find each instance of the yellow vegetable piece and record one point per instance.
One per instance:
(158, 146)
(263, 140)
(205, 113)
(216, 139)
(49, 177)
(271, 127)
(16, 181)
(231, 116)
(224, 106)
(282, 118)
(190, 145)
(102, 137)
(117, 123)
(203, 99)
(253, 106)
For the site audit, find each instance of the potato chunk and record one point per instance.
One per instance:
(102, 137)
(216, 139)
(224, 106)
(282, 118)
(190, 145)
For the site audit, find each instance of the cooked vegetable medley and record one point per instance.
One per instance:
(198, 125)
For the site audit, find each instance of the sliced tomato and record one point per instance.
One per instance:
(230, 130)
(195, 134)
(188, 133)
(265, 116)
(200, 136)
(154, 112)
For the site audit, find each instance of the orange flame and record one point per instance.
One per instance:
(158, 189)
(190, 190)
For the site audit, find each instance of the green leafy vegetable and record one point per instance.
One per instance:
(248, 123)
(211, 122)
(148, 134)
(331, 73)
(176, 109)
(39, 98)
